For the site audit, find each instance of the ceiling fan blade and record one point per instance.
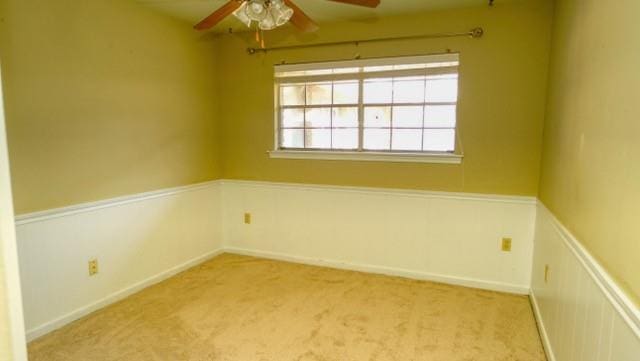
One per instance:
(367, 3)
(301, 20)
(217, 16)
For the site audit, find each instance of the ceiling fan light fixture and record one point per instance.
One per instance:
(256, 10)
(269, 21)
(281, 12)
(241, 14)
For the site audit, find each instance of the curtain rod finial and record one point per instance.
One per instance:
(476, 33)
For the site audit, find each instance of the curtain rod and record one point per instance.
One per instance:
(473, 33)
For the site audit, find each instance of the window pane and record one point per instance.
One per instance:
(345, 70)
(292, 118)
(368, 69)
(318, 138)
(318, 117)
(394, 110)
(442, 89)
(407, 117)
(292, 138)
(345, 117)
(440, 116)
(409, 66)
(318, 93)
(439, 140)
(345, 138)
(408, 90)
(292, 95)
(318, 72)
(377, 116)
(376, 139)
(345, 93)
(407, 139)
(377, 91)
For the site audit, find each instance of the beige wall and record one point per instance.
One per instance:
(591, 164)
(501, 109)
(125, 100)
(104, 98)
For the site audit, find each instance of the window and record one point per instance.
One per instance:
(394, 108)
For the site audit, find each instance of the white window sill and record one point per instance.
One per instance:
(403, 157)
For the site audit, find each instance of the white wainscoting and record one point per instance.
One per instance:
(447, 237)
(138, 240)
(581, 313)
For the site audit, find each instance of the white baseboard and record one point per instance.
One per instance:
(443, 237)
(43, 329)
(618, 298)
(542, 330)
(138, 240)
(581, 313)
(440, 237)
(117, 296)
(390, 271)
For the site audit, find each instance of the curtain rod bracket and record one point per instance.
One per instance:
(476, 33)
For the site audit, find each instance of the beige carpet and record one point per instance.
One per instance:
(244, 309)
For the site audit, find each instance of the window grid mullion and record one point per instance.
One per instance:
(393, 83)
(279, 131)
(360, 106)
(347, 127)
(315, 106)
(424, 116)
(304, 119)
(360, 115)
(352, 105)
(331, 118)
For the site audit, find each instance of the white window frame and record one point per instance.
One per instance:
(454, 157)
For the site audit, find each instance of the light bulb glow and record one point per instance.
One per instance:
(281, 12)
(269, 22)
(269, 14)
(256, 10)
(241, 15)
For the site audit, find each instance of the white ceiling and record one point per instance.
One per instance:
(321, 11)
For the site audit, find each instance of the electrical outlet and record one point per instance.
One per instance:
(506, 244)
(247, 218)
(546, 273)
(93, 267)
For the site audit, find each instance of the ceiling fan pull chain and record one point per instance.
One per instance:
(260, 38)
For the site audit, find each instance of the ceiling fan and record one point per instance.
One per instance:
(269, 14)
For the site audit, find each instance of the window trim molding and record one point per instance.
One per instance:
(433, 157)
(369, 156)
(392, 60)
